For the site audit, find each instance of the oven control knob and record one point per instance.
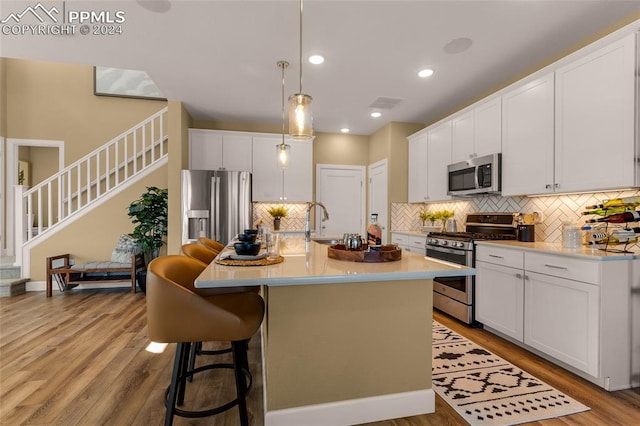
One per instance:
(458, 244)
(444, 243)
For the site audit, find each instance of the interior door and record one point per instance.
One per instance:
(341, 190)
(378, 195)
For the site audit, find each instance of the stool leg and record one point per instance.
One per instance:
(184, 369)
(239, 361)
(175, 376)
(192, 357)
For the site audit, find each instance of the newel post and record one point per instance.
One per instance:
(20, 225)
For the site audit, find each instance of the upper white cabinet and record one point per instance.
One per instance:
(216, 150)
(595, 107)
(429, 156)
(272, 184)
(527, 144)
(477, 131)
(574, 128)
(438, 158)
(418, 167)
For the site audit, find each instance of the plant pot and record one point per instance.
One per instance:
(276, 224)
(141, 279)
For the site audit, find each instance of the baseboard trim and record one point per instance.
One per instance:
(356, 411)
(42, 286)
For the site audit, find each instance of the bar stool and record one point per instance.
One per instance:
(212, 244)
(177, 314)
(199, 252)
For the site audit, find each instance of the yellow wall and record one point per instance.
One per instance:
(337, 148)
(178, 125)
(55, 101)
(93, 236)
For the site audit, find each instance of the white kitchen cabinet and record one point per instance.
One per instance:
(499, 291)
(417, 167)
(216, 150)
(574, 310)
(562, 320)
(409, 242)
(574, 128)
(429, 156)
(595, 119)
(478, 131)
(527, 138)
(438, 158)
(272, 184)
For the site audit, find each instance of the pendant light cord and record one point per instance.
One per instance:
(301, 47)
(283, 65)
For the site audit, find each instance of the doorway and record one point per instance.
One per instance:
(378, 196)
(11, 179)
(340, 188)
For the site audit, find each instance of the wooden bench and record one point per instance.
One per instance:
(68, 276)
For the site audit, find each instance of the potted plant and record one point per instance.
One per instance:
(277, 212)
(149, 215)
(430, 217)
(444, 216)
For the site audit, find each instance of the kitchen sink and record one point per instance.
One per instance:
(327, 241)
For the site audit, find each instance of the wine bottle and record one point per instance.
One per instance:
(617, 202)
(618, 218)
(604, 211)
(374, 232)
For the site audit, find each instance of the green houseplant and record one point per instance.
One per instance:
(277, 212)
(149, 215)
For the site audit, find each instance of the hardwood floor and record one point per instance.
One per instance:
(79, 358)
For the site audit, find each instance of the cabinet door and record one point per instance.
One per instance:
(562, 320)
(438, 158)
(500, 298)
(236, 152)
(488, 127)
(298, 177)
(205, 150)
(527, 138)
(267, 178)
(418, 168)
(462, 146)
(595, 110)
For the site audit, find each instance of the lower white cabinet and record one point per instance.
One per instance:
(409, 242)
(562, 319)
(500, 298)
(573, 310)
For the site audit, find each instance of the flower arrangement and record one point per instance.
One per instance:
(433, 217)
(277, 212)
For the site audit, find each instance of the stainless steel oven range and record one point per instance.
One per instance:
(455, 295)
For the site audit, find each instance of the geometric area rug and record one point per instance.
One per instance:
(487, 390)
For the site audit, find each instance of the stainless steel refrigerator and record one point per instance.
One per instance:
(215, 204)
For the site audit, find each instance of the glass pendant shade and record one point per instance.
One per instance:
(300, 117)
(283, 152)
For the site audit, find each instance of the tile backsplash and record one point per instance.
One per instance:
(556, 210)
(294, 221)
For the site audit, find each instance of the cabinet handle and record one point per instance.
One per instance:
(557, 185)
(547, 186)
(564, 268)
(526, 277)
(518, 275)
(496, 256)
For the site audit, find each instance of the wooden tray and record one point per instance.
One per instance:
(387, 253)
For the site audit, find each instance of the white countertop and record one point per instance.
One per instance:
(304, 265)
(416, 233)
(557, 249)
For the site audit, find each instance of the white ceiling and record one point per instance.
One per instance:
(219, 57)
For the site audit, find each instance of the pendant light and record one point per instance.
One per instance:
(300, 118)
(282, 149)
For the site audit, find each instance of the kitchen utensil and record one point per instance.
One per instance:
(526, 233)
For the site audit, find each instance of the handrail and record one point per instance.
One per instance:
(86, 180)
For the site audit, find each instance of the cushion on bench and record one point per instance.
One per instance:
(101, 265)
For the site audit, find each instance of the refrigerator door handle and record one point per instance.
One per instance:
(215, 208)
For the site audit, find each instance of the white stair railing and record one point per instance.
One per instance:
(81, 184)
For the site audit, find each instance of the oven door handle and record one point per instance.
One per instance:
(447, 250)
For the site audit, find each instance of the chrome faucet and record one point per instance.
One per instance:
(307, 228)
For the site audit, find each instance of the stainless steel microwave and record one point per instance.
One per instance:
(480, 175)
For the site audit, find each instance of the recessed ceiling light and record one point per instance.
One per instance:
(376, 114)
(344, 130)
(316, 59)
(427, 72)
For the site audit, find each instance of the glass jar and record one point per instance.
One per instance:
(571, 235)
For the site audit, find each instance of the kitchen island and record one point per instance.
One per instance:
(343, 342)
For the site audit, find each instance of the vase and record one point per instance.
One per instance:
(276, 224)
